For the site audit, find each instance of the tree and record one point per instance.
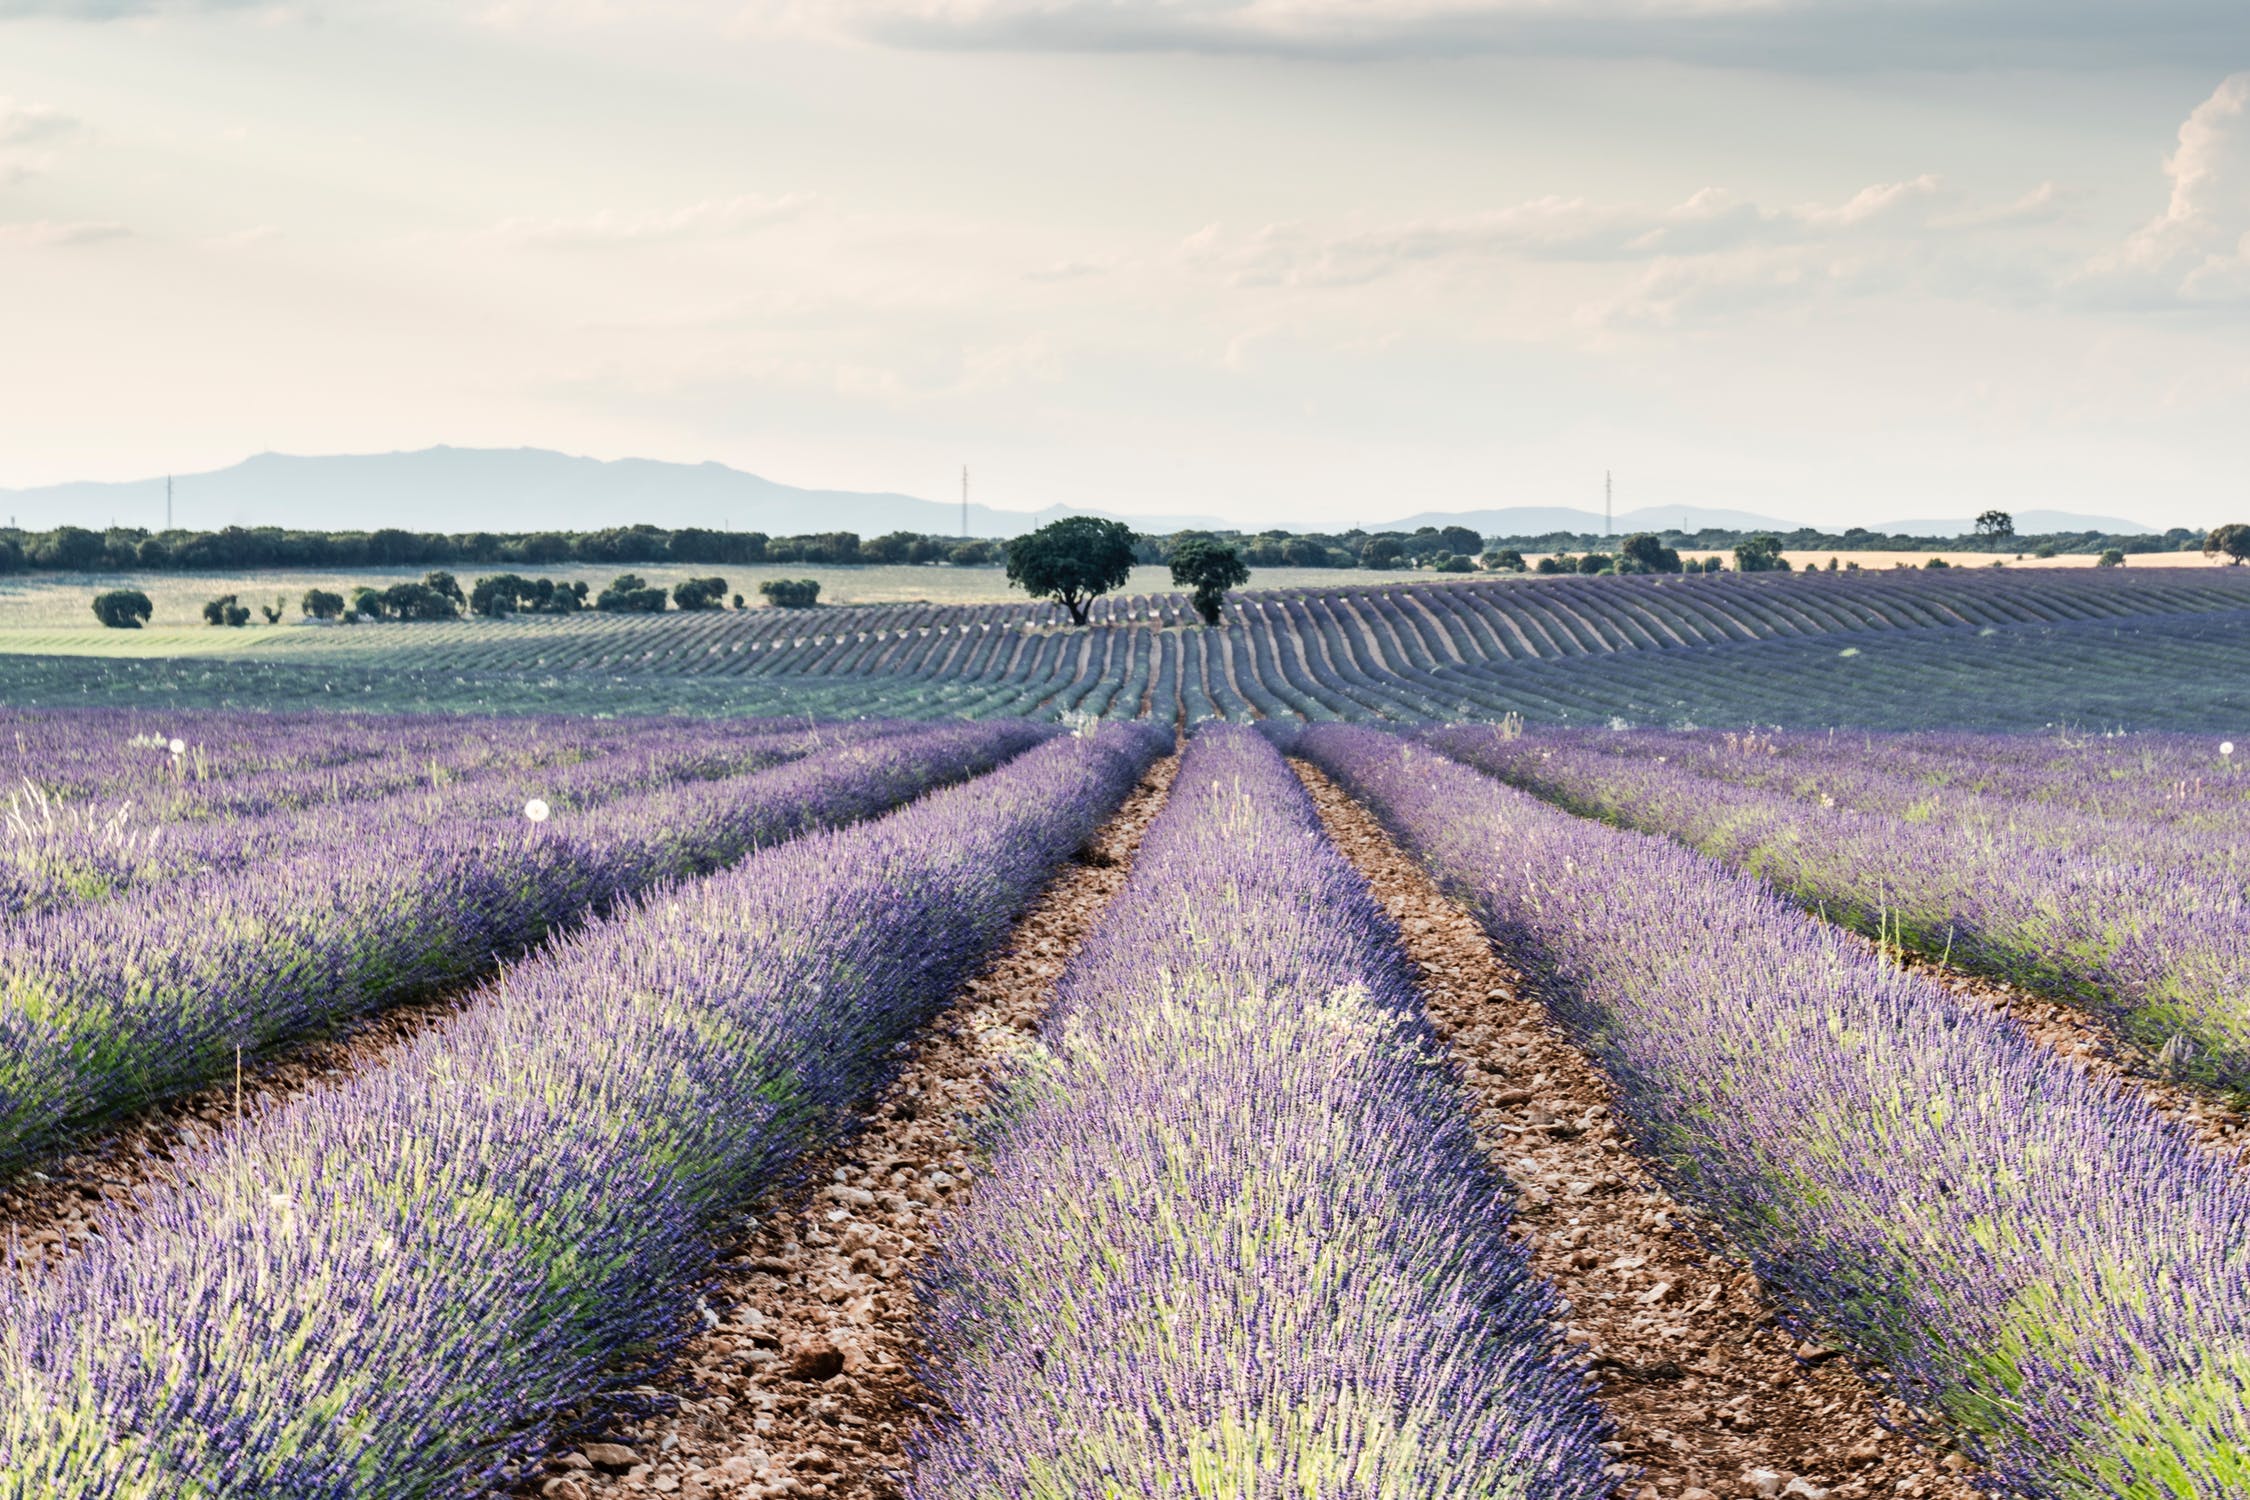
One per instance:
(791, 593)
(700, 593)
(1597, 562)
(1996, 523)
(321, 604)
(2113, 558)
(1645, 552)
(445, 586)
(1382, 552)
(272, 611)
(1760, 554)
(1073, 561)
(1454, 562)
(225, 611)
(2230, 541)
(629, 593)
(123, 609)
(1209, 567)
(1505, 560)
(1460, 539)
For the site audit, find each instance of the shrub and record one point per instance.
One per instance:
(973, 554)
(225, 611)
(630, 594)
(123, 609)
(700, 593)
(2113, 558)
(321, 604)
(791, 593)
(1597, 562)
(1505, 560)
(1937, 562)
(1645, 552)
(1760, 554)
(738, 604)
(1454, 562)
(273, 611)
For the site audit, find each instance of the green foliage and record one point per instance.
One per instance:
(2231, 541)
(1454, 562)
(1383, 552)
(700, 593)
(436, 597)
(225, 611)
(321, 604)
(1560, 562)
(1073, 561)
(123, 609)
(1207, 567)
(791, 593)
(2113, 558)
(629, 593)
(1760, 554)
(1504, 560)
(1937, 562)
(1597, 562)
(1645, 552)
(1996, 523)
(510, 593)
(273, 611)
(973, 554)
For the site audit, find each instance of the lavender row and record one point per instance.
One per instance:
(2055, 1270)
(387, 1289)
(105, 1008)
(55, 853)
(1236, 1237)
(2160, 945)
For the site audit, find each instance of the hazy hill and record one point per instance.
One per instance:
(508, 489)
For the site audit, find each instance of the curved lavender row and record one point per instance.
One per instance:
(1236, 1237)
(2162, 948)
(2040, 1258)
(104, 1008)
(386, 1290)
(52, 856)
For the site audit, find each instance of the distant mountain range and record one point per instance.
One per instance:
(533, 489)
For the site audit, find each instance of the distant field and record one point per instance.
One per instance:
(2162, 648)
(60, 606)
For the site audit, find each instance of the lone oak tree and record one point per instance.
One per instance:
(2229, 541)
(1072, 561)
(1209, 567)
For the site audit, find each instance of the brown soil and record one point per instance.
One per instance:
(2093, 1049)
(801, 1382)
(1707, 1390)
(52, 1212)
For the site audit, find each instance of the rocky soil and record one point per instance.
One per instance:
(1711, 1392)
(801, 1381)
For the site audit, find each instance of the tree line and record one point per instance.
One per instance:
(1446, 548)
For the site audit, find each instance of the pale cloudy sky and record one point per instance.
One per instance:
(1325, 260)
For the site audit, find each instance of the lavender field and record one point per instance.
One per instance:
(406, 1106)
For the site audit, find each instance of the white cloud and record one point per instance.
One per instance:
(1708, 223)
(711, 218)
(2198, 249)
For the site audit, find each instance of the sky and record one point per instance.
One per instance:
(1320, 261)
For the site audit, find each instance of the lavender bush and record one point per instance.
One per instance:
(105, 1007)
(1236, 1238)
(386, 1289)
(2057, 1271)
(2148, 924)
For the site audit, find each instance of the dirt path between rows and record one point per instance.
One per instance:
(1709, 1394)
(802, 1381)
